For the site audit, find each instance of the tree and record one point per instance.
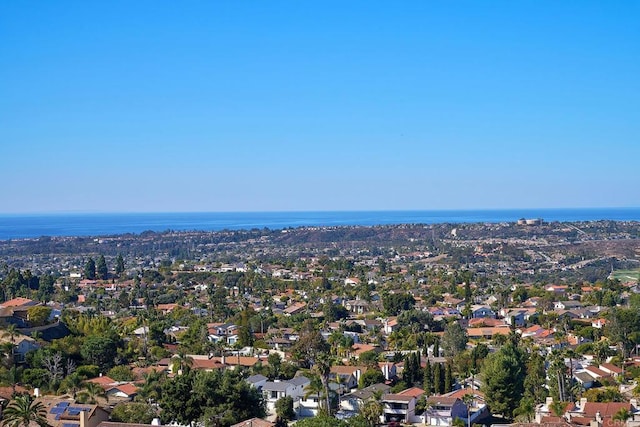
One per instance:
(371, 411)
(72, 384)
(101, 268)
(503, 373)
(119, 265)
(133, 412)
(394, 304)
(622, 415)
(371, 377)
(427, 382)
(38, 315)
(100, 351)
(454, 339)
(23, 410)
(91, 392)
(90, 269)
(284, 408)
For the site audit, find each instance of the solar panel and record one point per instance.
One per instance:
(69, 425)
(56, 410)
(58, 416)
(73, 411)
(62, 404)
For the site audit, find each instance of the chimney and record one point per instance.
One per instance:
(84, 418)
(583, 402)
(156, 422)
(223, 359)
(36, 392)
(548, 402)
(598, 417)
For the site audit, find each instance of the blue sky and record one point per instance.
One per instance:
(289, 105)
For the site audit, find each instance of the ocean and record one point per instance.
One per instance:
(13, 226)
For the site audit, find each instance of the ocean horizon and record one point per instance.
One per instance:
(34, 225)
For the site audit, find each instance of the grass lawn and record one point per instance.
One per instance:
(626, 275)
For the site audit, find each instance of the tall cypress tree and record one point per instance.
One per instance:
(119, 265)
(438, 379)
(90, 269)
(427, 382)
(448, 379)
(101, 268)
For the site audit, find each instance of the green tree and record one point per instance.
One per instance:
(119, 265)
(91, 392)
(371, 377)
(454, 339)
(23, 410)
(394, 304)
(102, 271)
(38, 315)
(90, 269)
(284, 408)
(503, 373)
(133, 412)
(100, 351)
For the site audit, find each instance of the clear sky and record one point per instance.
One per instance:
(327, 105)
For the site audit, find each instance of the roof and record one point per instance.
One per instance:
(397, 398)
(299, 380)
(102, 380)
(18, 302)
(276, 386)
(413, 391)
(370, 391)
(126, 388)
(256, 379)
(254, 422)
(606, 410)
(442, 400)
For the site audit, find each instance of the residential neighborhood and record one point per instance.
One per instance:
(271, 328)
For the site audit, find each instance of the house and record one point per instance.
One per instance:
(257, 381)
(401, 407)
(19, 303)
(599, 413)
(599, 323)
(390, 325)
(123, 391)
(295, 308)
(22, 345)
(584, 378)
(442, 410)
(596, 373)
(351, 281)
(357, 306)
(64, 413)
(272, 391)
(355, 400)
(611, 369)
(567, 305)
(487, 333)
(482, 311)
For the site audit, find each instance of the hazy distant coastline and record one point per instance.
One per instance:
(14, 226)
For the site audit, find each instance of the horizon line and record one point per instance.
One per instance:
(81, 212)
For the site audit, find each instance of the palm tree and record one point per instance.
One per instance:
(11, 332)
(468, 400)
(622, 415)
(23, 410)
(315, 388)
(72, 383)
(92, 392)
